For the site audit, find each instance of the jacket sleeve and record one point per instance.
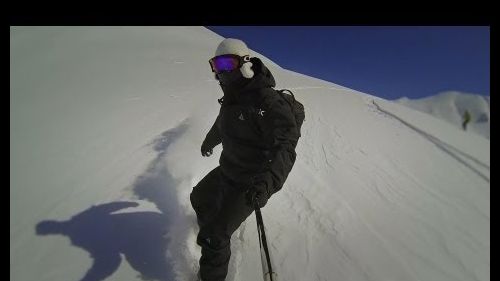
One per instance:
(213, 137)
(281, 133)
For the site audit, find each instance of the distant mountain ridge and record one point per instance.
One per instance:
(451, 106)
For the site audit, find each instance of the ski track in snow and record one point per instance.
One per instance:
(442, 145)
(316, 217)
(390, 190)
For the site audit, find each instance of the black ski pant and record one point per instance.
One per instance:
(220, 208)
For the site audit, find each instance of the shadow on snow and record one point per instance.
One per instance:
(137, 236)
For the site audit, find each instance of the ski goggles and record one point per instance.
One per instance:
(227, 63)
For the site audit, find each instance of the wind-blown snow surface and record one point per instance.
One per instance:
(101, 116)
(451, 106)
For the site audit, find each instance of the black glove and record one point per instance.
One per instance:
(206, 150)
(257, 194)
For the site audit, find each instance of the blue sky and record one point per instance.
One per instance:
(385, 61)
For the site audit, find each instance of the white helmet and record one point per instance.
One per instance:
(230, 46)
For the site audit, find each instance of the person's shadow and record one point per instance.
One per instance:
(138, 236)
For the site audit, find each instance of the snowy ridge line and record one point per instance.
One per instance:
(450, 106)
(447, 148)
(470, 157)
(306, 88)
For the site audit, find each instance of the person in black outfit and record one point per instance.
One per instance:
(258, 132)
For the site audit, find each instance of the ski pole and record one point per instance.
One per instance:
(265, 254)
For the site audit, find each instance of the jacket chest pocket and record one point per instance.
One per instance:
(240, 122)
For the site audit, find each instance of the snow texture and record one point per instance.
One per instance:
(106, 125)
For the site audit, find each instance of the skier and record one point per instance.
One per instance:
(466, 119)
(259, 134)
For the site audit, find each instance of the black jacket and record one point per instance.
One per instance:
(258, 132)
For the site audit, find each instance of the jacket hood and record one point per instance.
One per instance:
(263, 78)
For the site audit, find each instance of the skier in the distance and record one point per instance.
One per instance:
(466, 120)
(259, 134)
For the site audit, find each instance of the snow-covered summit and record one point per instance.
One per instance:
(451, 106)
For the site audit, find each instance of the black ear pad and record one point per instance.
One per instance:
(216, 76)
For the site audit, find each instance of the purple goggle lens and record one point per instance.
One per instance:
(226, 63)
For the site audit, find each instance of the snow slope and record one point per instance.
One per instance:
(451, 106)
(102, 116)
